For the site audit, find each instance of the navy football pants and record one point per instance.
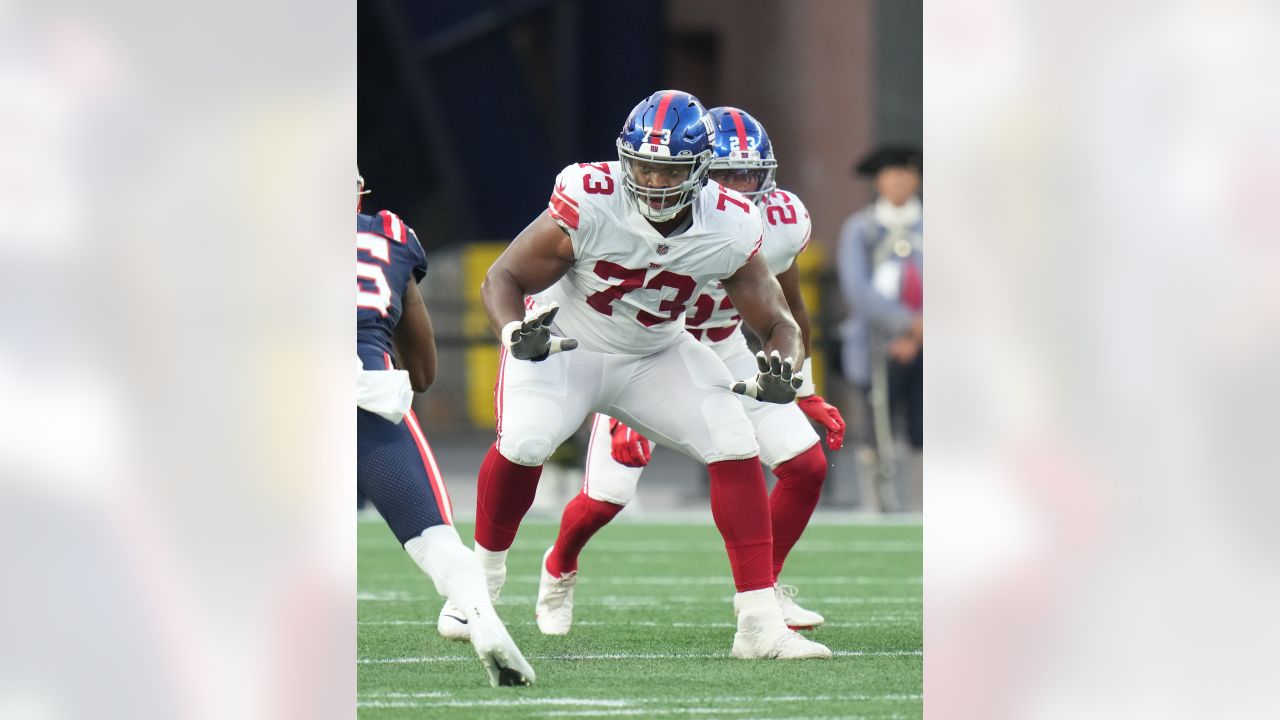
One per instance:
(397, 472)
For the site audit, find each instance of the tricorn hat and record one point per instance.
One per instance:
(889, 156)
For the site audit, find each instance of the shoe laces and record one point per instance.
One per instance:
(787, 591)
(560, 586)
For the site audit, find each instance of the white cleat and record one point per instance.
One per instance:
(502, 660)
(555, 600)
(796, 617)
(453, 624)
(762, 634)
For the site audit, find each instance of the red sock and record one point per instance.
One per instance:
(793, 499)
(504, 492)
(583, 516)
(740, 507)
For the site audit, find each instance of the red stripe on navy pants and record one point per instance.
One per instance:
(432, 469)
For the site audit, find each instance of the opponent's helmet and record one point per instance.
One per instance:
(742, 144)
(667, 133)
(359, 188)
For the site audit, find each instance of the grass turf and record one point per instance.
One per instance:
(653, 625)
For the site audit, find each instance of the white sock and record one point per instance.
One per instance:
(452, 567)
(493, 561)
(754, 600)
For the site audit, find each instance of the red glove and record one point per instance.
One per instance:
(630, 447)
(821, 412)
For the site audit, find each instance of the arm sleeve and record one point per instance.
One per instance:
(855, 281)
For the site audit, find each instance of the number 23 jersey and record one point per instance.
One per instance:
(712, 318)
(629, 286)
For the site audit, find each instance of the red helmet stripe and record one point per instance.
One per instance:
(742, 129)
(663, 104)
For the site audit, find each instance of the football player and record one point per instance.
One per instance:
(609, 268)
(744, 161)
(396, 356)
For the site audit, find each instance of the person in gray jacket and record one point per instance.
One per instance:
(880, 264)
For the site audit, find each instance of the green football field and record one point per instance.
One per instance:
(653, 625)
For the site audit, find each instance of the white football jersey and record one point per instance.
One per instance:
(629, 286)
(712, 317)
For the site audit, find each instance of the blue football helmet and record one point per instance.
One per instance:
(742, 146)
(665, 152)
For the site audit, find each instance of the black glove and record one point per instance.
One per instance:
(531, 339)
(776, 383)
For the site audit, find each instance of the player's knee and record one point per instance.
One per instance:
(731, 442)
(528, 450)
(806, 470)
(614, 495)
(732, 435)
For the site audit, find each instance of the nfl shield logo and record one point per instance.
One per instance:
(662, 248)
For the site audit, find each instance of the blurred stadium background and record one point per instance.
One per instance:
(468, 110)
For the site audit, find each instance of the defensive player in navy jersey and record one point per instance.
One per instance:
(396, 353)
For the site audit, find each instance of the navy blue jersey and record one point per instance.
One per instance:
(388, 258)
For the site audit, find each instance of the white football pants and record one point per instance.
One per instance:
(782, 431)
(678, 396)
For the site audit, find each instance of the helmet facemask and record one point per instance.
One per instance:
(764, 168)
(640, 171)
(360, 191)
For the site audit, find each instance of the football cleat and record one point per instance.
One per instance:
(502, 660)
(555, 600)
(796, 617)
(452, 624)
(762, 635)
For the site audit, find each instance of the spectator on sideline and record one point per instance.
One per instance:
(880, 264)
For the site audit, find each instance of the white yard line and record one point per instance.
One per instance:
(620, 656)
(679, 580)
(623, 601)
(504, 702)
(725, 580)
(880, 622)
(631, 706)
(645, 712)
(802, 547)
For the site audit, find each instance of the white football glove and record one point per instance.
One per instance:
(531, 338)
(776, 382)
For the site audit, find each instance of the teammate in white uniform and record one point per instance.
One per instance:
(612, 264)
(743, 161)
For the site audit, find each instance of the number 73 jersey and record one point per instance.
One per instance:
(629, 286)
